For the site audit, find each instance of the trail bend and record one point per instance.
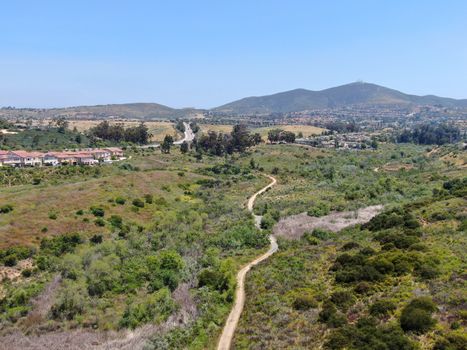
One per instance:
(232, 321)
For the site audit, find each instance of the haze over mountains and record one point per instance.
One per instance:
(354, 94)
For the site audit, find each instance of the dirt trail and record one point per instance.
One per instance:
(232, 321)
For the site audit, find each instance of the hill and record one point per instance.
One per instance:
(353, 94)
(127, 110)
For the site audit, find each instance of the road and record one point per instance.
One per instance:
(188, 137)
(234, 316)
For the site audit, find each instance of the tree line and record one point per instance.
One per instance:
(219, 144)
(430, 134)
(118, 133)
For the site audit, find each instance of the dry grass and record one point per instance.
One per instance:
(296, 225)
(307, 130)
(157, 128)
(32, 205)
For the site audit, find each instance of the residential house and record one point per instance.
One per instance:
(85, 158)
(101, 154)
(51, 159)
(9, 159)
(29, 158)
(115, 151)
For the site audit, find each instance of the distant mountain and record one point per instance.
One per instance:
(127, 110)
(345, 95)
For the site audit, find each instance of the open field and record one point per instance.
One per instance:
(157, 128)
(307, 130)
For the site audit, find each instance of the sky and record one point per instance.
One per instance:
(204, 53)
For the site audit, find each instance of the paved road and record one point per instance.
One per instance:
(232, 321)
(188, 137)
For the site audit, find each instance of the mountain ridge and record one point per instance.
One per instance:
(352, 94)
(296, 100)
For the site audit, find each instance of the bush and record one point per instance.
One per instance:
(363, 288)
(116, 221)
(97, 211)
(120, 200)
(304, 302)
(36, 181)
(416, 316)
(148, 198)
(350, 245)
(96, 239)
(138, 203)
(99, 222)
(320, 234)
(6, 208)
(427, 272)
(10, 260)
(382, 307)
(343, 299)
(213, 279)
(79, 212)
(451, 342)
(319, 209)
(52, 216)
(26, 273)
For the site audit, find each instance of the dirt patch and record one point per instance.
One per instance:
(295, 226)
(14, 272)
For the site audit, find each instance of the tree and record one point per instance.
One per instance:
(274, 135)
(167, 144)
(184, 147)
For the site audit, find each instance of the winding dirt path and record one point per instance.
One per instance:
(232, 321)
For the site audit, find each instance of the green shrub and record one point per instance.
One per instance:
(363, 288)
(148, 198)
(416, 316)
(80, 212)
(304, 302)
(99, 222)
(382, 307)
(97, 211)
(96, 239)
(157, 306)
(6, 208)
(60, 244)
(36, 181)
(120, 200)
(116, 221)
(427, 271)
(451, 342)
(320, 234)
(52, 216)
(319, 209)
(10, 260)
(26, 273)
(343, 299)
(138, 203)
(350, 245)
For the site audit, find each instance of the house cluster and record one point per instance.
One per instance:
(88, 156)
(346, 141)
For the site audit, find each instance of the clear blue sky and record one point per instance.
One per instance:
(205, 53)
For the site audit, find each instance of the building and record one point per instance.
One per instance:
(115, 151)
(29, 158)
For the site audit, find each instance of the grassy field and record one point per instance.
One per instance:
(307, 130)
(157, 128)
